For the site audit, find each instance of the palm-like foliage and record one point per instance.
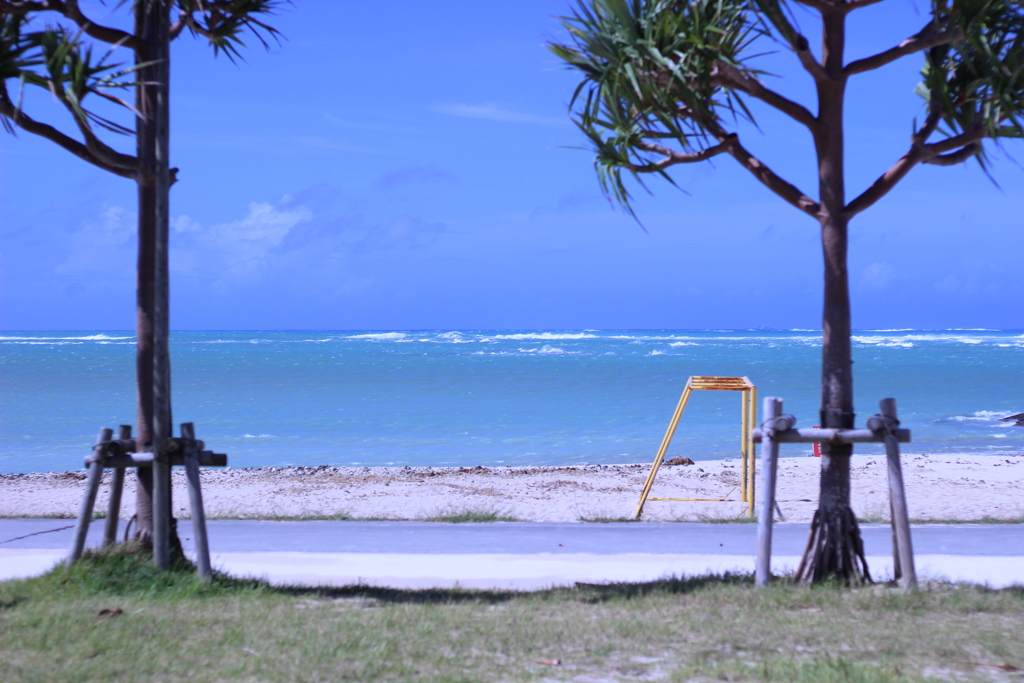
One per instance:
(663, 82)
(37, 51)
(652, 74)
(662, 78)
(976, 82)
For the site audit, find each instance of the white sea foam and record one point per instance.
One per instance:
(258, 436)
(656, 352)
(990, 416)
(382, 336)
(684, 344)
(43, 343)
(91, 337)
(884, 342)
(546, 350)
(905, 339)
(453, 338)
(543, 336)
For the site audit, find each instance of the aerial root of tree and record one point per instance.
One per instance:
(834, 550)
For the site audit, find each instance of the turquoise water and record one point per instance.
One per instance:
(492, 397)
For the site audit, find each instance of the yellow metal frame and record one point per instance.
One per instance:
(748, 418)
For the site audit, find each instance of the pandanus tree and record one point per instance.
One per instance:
(664, 82)
(54, 46)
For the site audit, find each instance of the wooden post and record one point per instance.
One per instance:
(161, 514)
(769, 460)
(92, 486)
(904, 556)
(116, 488)
(195, 495)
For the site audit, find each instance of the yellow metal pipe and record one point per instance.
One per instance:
(669, 433)
(701, 500)
(752, 410)
(743, 445)
(748, 459)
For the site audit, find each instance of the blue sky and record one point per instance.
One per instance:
(408, 168)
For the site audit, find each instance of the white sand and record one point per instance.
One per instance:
(939, 487)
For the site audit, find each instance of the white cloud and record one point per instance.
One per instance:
(185, 224)
(879, 275)
(238, 250)
(265, 224)
(949, 285)
(316, 238)
(491, 112)
(101, 242)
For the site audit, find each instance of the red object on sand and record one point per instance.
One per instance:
(817, 447)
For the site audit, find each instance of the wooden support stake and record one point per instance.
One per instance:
(161, 513)
(904, 556)
(116, 488)
(769, 462)
(195, 496)
(92, 486)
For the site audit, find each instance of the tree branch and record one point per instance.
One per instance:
(796, 40)
(188, 20)
(24, 7)
(930, 124)
(820, 5)
(954, 158)
(791, 193)
(970, 136)
(99, 149)
(728, 75)
(178, 26)
(926, 38)
(857, 4)
(672, 157)
(918, 154)
(71, 10)
(29, 124)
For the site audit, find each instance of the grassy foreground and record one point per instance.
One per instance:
(114, 617)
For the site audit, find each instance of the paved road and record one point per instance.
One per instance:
(524, 555)
(434, 538)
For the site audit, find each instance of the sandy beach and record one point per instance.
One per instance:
(939, 487)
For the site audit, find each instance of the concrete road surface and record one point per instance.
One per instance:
(525, 555)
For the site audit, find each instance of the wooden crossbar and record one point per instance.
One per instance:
(121, 453)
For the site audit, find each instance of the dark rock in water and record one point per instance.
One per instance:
(1018, 419)
(687, 461)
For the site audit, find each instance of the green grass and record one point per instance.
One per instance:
(469, 515)
(884, 519)
(983, 520)
(113, 616)
(340, 516)
(742, 518)
(598, 518)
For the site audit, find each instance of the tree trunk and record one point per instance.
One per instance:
(152, 19)
(834, 549)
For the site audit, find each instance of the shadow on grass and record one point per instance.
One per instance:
(581, 592)
(128, 570)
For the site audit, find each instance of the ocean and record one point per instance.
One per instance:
(492, 398)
